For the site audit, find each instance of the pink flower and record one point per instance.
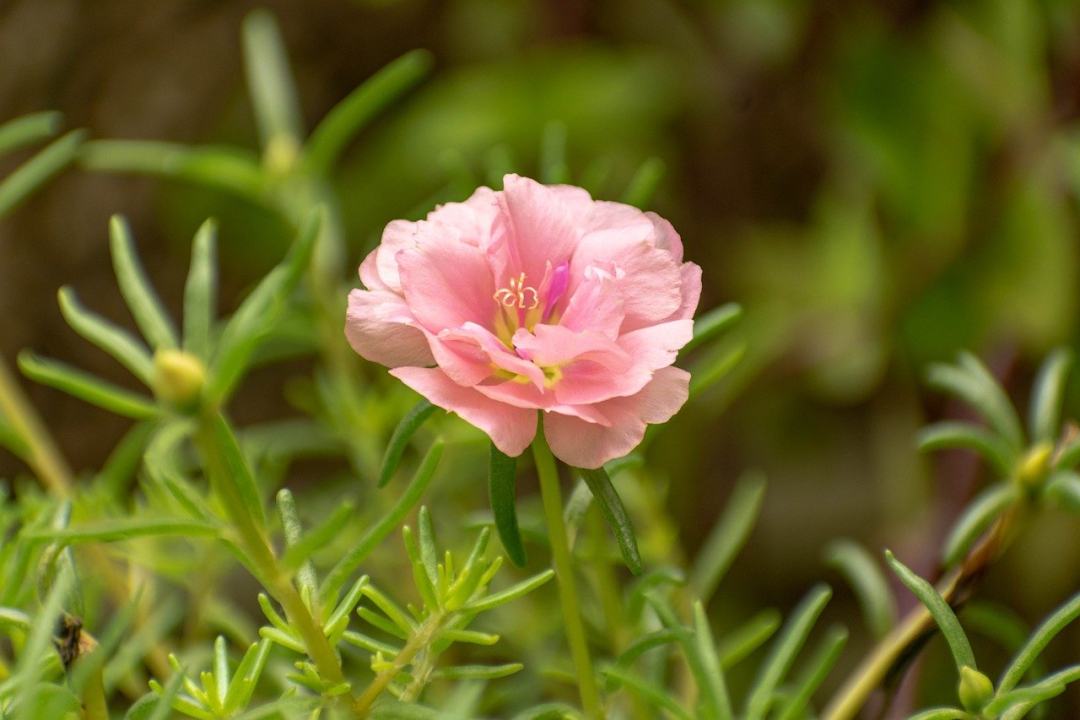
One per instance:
(534, 298)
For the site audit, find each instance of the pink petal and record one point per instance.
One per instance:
(483, 351)
(596, 305)
(447, 284)
(380, 328)
(647, 277)
(527, 396)
(691, 291)
(538, 232)
(472, 221)
(657, 346)
(665, 236)
(590, 445)
(591, 367)
(397, 236)
(510, 428)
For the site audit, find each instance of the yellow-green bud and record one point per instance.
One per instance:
(975, 689)
(1035, 464)
(178, 378)
(280, 155)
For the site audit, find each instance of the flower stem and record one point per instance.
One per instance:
(551, 494)
(854, 693)
(259, 552)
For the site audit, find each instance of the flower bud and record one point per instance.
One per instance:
(1035, 464)
(178, 378)
(975, 689)
(280, 155)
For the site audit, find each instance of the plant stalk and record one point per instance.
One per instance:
(255, 544)
(854, 693)
(551, 494)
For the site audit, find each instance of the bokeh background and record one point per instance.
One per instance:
(880, 184)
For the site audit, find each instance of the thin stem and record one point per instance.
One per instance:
(253, 541)
(419, 641)
(551, 494)
(869, 674)
(43, 456)
(95, 706)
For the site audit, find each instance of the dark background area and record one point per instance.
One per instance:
(879, 184)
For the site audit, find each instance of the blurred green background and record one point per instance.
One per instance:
(880, 184)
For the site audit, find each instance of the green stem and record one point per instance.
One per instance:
(419, 641)
(42, 454)
(551, 494)
(260, 554)
(95, 707)
(869, 674)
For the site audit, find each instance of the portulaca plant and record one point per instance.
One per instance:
(188, 577)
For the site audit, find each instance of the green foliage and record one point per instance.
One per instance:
(147, 555)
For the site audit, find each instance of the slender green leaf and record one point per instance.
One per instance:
(939, 609)
(318, 537)
(1033, 695)
(712, 324)
(200, 292)
(119, 343)
(950, 435)
(748, 637)
(124, 460)
(1048, 395)
(942, 713)
(360, 106)
(221, 669)
(38, 170)
(39, 641)
(658, 696)
(290, 523)
(973, 383)
(711, 676)
(228, 464)
(269, 79)
(976, 518)
(167, 697)
(611, 507)
(1038, 641)
(1064, 487)
(126, 529)
(29, 129)
(259, 311)
(817, 669)
(502, 477)
(511, 593)
(429, 556)
(866, 579)
(390, 520)
(139, 294)
(1069, 456)
(86, 387)
(651, 641)
(246, 676)
(10, 438)
(728, 535)
(399, 440)
(712, 369)
(219, 168)
(642, 186)
(784, 651)
(478, 672)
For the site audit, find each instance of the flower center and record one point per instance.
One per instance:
(517, 294)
